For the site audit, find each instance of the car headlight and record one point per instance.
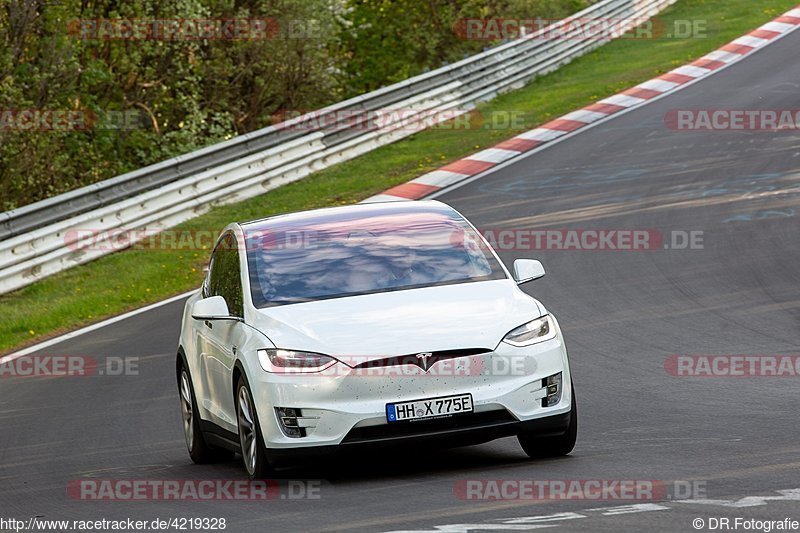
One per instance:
(538, 330)
(292, 361)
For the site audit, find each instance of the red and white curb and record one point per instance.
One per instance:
(474, 164)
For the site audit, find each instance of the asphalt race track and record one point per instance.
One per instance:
(624, 313)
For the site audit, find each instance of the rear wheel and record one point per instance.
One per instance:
(541, 447)
(199, 451)
(254, 453)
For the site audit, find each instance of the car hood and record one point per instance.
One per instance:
(464, 315)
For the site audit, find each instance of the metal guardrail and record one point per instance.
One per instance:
(43, 238)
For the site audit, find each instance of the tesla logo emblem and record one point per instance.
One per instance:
(423, 357)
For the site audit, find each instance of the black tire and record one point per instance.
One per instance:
(199, 450)
(543, 447)
(254, 453)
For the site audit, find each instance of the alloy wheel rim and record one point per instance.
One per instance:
(247, 434)
(186, 409)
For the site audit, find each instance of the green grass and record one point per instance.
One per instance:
(133, 278)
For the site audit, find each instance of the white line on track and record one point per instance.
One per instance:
(93, 327)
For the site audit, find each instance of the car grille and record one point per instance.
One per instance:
(412, 359)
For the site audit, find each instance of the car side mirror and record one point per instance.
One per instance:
(526, 270)
(211, 308)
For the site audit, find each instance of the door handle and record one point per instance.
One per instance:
(208, 324)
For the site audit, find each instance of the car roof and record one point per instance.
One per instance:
(350, 213)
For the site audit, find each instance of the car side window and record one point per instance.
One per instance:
(207, 279)
(224, 278)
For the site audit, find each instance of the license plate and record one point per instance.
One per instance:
(435, 407)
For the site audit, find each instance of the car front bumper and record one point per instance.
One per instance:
(465, 434)
(345, 409)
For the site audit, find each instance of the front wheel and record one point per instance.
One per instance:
(253, 451)
(541, 447)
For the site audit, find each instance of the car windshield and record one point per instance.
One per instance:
(365, 250)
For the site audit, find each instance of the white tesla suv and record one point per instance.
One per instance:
(368, 325)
